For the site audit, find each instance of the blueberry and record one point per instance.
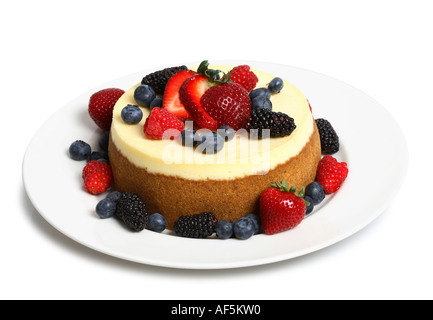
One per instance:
(103, 141)
(227, 132)
(157, 222)
(98, 155)
(256, 221)
(131, 114)
(224, 229)
(144, 95)
(79, 150)
(316, 192)
(188, 137)
(244, 228)
(115, 195)
(276, 85)
(105, 208)
(260, 92)
(310, 207)
(261, 102)
(156, 103)
(210, 142)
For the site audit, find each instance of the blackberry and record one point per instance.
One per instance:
(200, 225)
(131, 210)
(328, 137)
(279, 124)
(158, 79)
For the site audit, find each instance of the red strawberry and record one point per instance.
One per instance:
(159, 121)
(190, 94)
(281, 209)
(101, 106)
(331, 173)
(171, 101)
(243, 76)
(97, 176)
(228, 104)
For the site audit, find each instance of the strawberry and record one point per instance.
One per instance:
(97, 176)
(281, 209)
(190, 95)
(228, 104)
(331, 173)
(243, 76)
(171, 101)
(101, 106)
(159, 121)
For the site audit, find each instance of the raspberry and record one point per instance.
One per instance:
(101, 106)
(243, 76)
(159, 121)
(97, 177)
(331, 173)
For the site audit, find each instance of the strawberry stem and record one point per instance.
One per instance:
(285, 188)
(211, 74)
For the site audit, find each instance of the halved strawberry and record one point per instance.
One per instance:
(190, 94)
(171, 101)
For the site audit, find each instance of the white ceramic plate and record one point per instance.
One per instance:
(371, 143)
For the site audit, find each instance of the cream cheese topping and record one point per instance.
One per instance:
(240, 157)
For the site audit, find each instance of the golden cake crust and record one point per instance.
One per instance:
(228, 199)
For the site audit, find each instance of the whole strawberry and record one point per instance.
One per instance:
(331, 173)
(281, 209)
(228, 104)
(101, 106)
(160, 122)
(97, 176)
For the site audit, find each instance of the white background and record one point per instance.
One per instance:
(53, 51)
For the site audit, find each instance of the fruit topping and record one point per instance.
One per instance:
(227, 132)
(227, 104)
(131, 114)
(279, 124)
(131, 210)
(276, 85)
(243, 76)
(171, 101)
(281, 209)
(261, 102)
(158, 80)
(188, 137)
(260, 92)
(329, 140)
(331, 173)
(97, 176)
(210, 142)
(161, 123)
(144, 95)
(315, 192)
(190, 94)
(156, 103)
(101, 106)
(79, 150)
(200, 225)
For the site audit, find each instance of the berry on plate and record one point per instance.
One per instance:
(281, 209)
(79, 150)
(200, 225)
(329, 140)
(97, 176)
(101, 106)
(244, 228)
(160, 122)
(131, 210)
(243, 76)
(171, 101)
(331, 173)
(157, 222)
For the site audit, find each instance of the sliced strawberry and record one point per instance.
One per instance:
(190, 94)
(171, 101)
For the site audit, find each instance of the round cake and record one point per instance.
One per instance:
(176, 180)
